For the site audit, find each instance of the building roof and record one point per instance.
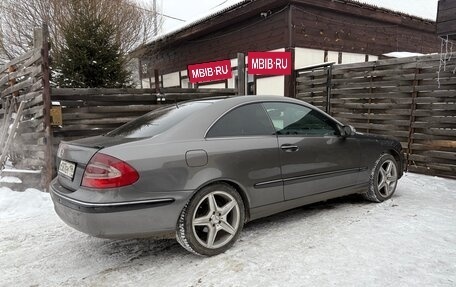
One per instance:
(192, 28)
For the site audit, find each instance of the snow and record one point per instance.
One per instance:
(402, 54)
(409, 240)
(22, 205)
(10, 179)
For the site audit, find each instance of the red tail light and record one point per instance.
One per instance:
(104, 171)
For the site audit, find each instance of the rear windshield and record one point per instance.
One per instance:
(158, 121)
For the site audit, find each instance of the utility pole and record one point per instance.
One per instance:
(155, 19)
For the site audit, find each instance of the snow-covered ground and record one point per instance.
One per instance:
(407, 241)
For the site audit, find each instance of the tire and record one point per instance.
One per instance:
(383, 179)
(211, 221)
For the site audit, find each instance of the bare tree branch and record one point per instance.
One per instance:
(134, 23)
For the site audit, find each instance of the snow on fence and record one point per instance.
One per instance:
(413, 99)
(24, 114)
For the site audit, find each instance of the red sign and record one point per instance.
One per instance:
(212, 71)
(270, 63)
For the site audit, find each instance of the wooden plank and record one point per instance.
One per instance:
(33, 148)
(448, 133)
(36, 112)
(426, 160)
(370, 106)
(103, 121)
(29, 96)
(432, 100)
(432, 124)
(303, 81)
(391, 113)
(37, 85)
(5, 125)
(9, 140)
(407, 89)
(19, 59)
(367, 95)
(112, 109)
(32, 162)
(17, 87)
(198, 91)
(37, 100)
(372, 116)
(93, 104)
(437, 106)
(85, 116)
(106, 97)
(85, 128)
(80, 133)
(34, 59)
(442, 154)
(101, 91)
(399, 101)
(446, 120)
(37, 125)
(32, 71)
(376, 126)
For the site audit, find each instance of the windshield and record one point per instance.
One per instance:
(158, 121)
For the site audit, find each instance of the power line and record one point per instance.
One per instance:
(171, 17)
(159, 13)
(219, 4)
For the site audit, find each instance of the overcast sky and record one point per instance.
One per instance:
(190, 9)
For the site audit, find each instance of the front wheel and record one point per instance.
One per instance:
(383, 179)
(211, 221)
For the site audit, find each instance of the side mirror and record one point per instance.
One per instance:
(347, 131)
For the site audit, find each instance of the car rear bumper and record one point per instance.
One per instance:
(119, 220)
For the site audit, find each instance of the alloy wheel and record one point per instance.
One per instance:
(387, 178)
(216, 219)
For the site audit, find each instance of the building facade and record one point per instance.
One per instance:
(314, 31)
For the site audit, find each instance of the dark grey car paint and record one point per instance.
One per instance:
(175, 164)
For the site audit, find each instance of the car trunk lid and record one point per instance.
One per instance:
(73, 157)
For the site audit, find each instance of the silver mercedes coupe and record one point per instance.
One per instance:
(202, 169)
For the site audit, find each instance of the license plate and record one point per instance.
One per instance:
(67, 169)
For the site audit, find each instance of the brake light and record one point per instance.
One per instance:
(104, 171)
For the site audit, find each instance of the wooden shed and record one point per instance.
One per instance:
(314, 31)
(446, 19)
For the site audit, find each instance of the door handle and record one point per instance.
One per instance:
(289, 148)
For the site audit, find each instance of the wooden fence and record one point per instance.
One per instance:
(413, 99)
(90, 112)
(24, 131)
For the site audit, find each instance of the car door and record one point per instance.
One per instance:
(315, 158)
(242, 147)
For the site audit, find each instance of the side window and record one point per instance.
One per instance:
(293, 119)
(248, 120)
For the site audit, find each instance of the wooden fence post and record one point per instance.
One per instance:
(49, 160)
(328, 88)
(412, 117)
(241, 74)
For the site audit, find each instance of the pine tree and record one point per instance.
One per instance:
(91, 57)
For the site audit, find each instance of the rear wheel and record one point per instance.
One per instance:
(383, 179)
(211, 221)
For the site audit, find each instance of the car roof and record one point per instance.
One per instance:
(230, 100)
